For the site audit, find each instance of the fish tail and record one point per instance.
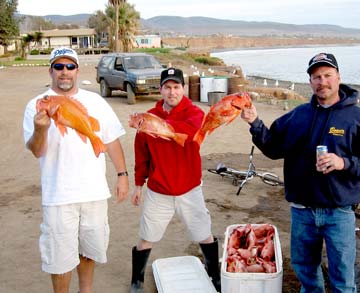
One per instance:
(199, 136)
(180, 138)
(98, 146)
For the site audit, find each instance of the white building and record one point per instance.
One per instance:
(147, 41)
(74, 38)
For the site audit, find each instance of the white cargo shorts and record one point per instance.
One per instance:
(159, 209)
(68, 231)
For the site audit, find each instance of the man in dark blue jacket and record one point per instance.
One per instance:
(321, 201)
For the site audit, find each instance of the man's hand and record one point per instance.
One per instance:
(249, 114)
(122, 188)
(329, 162)
(136, 196)
(41, 121)
(37, 143)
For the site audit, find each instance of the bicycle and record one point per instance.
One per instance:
(242, 177)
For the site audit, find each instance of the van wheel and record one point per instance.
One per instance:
(105, 91)
(130, 94)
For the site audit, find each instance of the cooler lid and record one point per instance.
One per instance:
(181, 274)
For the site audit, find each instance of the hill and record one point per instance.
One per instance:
(79, 19)
(205, 26)
(212, 26)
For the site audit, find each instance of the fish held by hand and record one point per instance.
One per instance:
(224, 111)
(156, 127)
(68, 112)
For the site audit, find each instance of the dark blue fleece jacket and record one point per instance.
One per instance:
(294, 137)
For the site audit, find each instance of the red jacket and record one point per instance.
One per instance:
(168, 167)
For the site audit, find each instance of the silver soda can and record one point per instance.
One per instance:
(321, 150)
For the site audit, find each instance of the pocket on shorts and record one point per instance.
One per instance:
(46, 245)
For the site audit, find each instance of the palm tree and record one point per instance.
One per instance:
(25, 44)
(116, 5)
(128, 23)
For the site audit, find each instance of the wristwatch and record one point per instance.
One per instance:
(125, 173)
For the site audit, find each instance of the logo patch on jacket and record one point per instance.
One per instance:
(336, 132)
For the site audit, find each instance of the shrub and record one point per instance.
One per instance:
(46, 51)
(34, 52)
(153, 50)
(211, 61)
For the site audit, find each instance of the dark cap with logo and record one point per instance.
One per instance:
(172, 74)
(322, 59)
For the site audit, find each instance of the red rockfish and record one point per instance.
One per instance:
(68, 112)
(224, 111)
(156, 127)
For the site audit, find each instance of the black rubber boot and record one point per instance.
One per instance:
(211, 255)
(139, 260)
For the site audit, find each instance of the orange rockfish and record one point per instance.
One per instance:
(156, 127)
(224, 111)
(68, 112)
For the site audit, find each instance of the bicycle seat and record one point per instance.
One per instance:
(220, 168)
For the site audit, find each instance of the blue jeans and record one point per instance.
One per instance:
(309, 228)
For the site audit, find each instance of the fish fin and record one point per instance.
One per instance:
(180, 138)
(151, 134)
(199, 136)
(79, 105)
(54, 112)
(82, 136)
(62, 128)
(212, 130)
(95, 125)
(98, 146)
(56, 116)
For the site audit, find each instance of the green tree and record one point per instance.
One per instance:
(128, 24)
(116, 5)
(9, 24)
(100, 22)
(37, 36)
(25, 44)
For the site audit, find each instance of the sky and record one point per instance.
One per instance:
(337, 12)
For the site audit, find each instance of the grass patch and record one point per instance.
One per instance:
(211, 61)
(19, 61)
(153, 50)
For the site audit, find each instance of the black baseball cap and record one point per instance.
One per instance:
(322, 59)
(172, 74)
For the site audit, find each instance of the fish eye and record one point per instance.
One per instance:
(46, 97)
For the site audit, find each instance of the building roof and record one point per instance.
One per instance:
(68, 32)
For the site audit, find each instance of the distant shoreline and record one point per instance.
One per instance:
(220, 50)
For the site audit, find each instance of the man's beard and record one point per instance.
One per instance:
(65, 86)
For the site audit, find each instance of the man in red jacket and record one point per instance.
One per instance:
(173, 175)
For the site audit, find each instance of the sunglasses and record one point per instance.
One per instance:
(60, 66)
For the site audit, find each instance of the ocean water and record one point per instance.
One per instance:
(290, 64)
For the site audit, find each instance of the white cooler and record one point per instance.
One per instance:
(181, 274)
(252, 282)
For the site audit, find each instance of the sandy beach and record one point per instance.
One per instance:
(20, 194)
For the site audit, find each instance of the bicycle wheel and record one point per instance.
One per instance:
(271, 179)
